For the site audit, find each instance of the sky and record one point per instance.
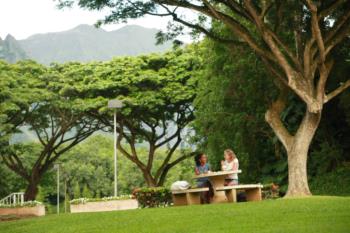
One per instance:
(23, 18)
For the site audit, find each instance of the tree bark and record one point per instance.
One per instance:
(298, 153)
(151, 182)
(31, 190)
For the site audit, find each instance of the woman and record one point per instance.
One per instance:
(202, 167)
(230, 164)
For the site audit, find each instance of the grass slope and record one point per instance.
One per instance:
(314, 214)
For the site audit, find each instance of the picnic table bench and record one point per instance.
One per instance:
(252, 191)
(188, 196)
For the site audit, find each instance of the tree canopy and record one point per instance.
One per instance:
(157, 91)
(64, 104)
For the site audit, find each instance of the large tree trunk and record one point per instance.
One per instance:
(298, 153)
(33, 183)
(31, 190)
(297, 171)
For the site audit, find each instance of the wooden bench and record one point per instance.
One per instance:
(188, 196)
(253, 191)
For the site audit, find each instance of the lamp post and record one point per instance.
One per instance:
(57, 167)
(115, 104)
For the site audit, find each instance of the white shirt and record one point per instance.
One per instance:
(231, 166)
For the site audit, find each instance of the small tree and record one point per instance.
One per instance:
(59, 123)
(86, 192)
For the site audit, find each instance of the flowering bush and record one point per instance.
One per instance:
(24, 204)
(153, 197)
(84, 200)
(270, 191)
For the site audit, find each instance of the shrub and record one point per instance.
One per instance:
(153, 197)
(332, 183)
(270, 191)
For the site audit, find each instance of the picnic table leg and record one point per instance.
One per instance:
(219, 196)
(231, 195)
(180, 199)
(217, 181)
(253, 194)
(193, 198)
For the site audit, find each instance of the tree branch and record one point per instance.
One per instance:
(168, 157)
(337, 91)
(172, 164)
(327, 11)
(273, 118)
(316, 31)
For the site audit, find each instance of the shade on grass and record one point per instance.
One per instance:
(314, 214)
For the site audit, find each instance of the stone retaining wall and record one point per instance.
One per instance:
(24, 211)
(104, 206)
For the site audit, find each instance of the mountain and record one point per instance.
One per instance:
(87, 43)
(10, 50)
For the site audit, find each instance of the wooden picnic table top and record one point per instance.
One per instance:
(218, 173)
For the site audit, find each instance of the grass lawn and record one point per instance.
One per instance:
(314, 214)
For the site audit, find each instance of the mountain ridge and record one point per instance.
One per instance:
(86, 43)
(11, 50)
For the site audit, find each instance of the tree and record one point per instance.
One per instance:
(157, 91)
(294, 39)
(230, 114)
(31, 98)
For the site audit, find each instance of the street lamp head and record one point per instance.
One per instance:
(115, 103)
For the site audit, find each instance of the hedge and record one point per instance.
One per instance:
(153, 197)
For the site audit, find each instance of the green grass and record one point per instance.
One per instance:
(314, 214)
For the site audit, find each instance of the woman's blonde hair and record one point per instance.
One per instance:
(230, 153)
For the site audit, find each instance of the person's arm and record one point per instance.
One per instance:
(196, 171)
(223, 167)
(235, 165)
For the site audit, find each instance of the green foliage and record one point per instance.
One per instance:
(335, 182)
(230, 106)
(88, 172)
(157, 91)
(76, 190)
(86, 192)
(9, 182)
(153, 197)
(66, 103)
(28, 101)
(325, 159)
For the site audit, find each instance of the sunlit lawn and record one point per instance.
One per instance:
(315, 214)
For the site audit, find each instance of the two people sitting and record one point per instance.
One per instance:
(230, 163)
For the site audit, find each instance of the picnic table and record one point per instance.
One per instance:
(217, 180)
(222, 193)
